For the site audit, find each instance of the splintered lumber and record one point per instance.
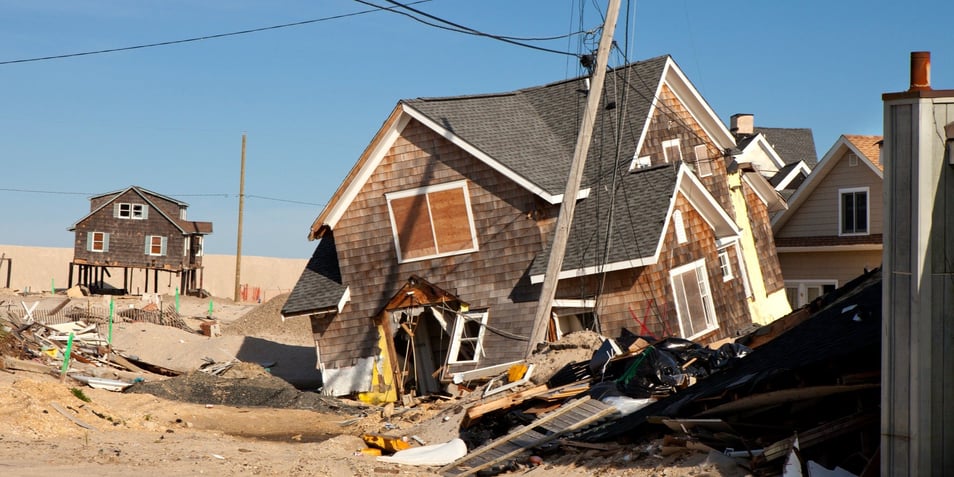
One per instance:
(67, 415)
(503, 402)
(570, 417)
(820, 434)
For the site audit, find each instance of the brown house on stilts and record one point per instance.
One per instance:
(137, 229)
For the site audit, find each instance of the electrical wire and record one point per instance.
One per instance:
(463, 29)
(202, 38)
(221, 195)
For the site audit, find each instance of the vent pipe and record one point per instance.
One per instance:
(920, 71)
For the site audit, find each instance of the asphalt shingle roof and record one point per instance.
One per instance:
(792, 144)
(639, 213)
(319, 287)
(533, 131)
(869, 146)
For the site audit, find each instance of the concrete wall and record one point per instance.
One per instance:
(41, 268)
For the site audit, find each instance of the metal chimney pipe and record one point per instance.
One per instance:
(920, 71)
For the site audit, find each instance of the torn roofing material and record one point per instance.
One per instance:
(846, 329)
(319, 288)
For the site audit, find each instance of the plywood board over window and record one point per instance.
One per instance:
(432, 221)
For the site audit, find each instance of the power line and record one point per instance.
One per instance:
(467, 30)
(202, 38)
(208, 194)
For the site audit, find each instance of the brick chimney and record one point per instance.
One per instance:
(742, 124)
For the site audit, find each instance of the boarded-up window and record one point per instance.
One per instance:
(97, 241)
(155, 245)
(694, 307)
(432, 221)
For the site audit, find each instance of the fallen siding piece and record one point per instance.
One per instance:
(76, 421)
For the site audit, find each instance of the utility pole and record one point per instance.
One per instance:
(565, 219)
(238, 246)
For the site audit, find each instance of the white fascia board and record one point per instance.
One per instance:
(573, 303)
(764, 190)
(493, 163)
(609, 267)
(861, 247)
(769, 150)
(345, 298)
(351, 190)
(697, 106)
(701, 200)
(792, 174)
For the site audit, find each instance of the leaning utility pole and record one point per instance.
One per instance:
(565, 219)
(238, 246)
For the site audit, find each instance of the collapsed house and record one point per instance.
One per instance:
(460, 196)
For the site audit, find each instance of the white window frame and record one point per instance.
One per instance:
(200, 246)
(854, 190)
(462, 184)
(679, 227)
(701, 275)
(453, 354)
(670, 143)
(91, 239)
(186, 245)
(802, 286)
(725, 263)
(703, 161)
(640, 162)
(132, 211)
(162, 245)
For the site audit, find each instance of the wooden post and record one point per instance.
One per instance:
(238, 245)
(565, 219)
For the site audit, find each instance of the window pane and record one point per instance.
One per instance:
(451, 221)
(155, 247)
(847, 213)
(413, 223)
(861, 212)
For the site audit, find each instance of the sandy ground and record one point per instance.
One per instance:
(47, 429)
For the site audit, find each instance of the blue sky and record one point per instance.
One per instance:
(311, 97)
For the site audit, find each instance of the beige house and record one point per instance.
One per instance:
(832, 230)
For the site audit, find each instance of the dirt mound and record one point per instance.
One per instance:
(571, 348)
(261, 391)
(265, 321)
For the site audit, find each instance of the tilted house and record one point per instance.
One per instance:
(137, 229)
(432, 250)
(832, 230)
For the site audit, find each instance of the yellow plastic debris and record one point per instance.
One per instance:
(516, 372)
(386, 443)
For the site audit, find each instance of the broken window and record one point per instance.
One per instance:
(690, 287)
(853, 211)
(97, 242)
(432, 221)
(466, 342)
(155, 245)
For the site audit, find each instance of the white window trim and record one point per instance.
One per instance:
(461, 184)
(90, 241)
(143, 212)
(462, 318)
(802, 288)
(640, 162)
(726, 264)
(162, 245)
(200, 245)
(712, 324)
(704, 157)
(851, 190)
(679, 226)
(186, 245)
(671, 143)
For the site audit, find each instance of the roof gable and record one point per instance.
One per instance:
(791, 144)
(529, 135)
(821, 171)
(184, 226)
(319, 289)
